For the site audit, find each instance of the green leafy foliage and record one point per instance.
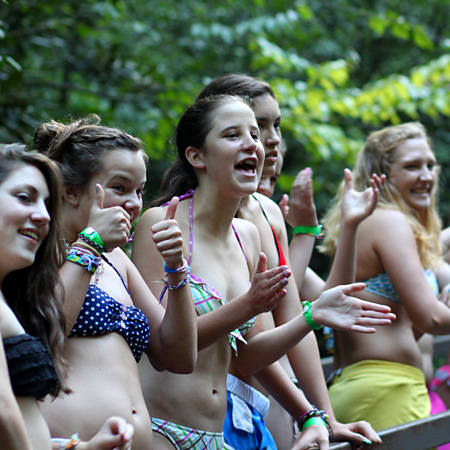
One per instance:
(340, 70)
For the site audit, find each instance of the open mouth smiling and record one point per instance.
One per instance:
(247, 166)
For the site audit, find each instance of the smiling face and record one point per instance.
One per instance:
(413, 173)
(123, 179)
(24, 218)
(268, 116)
(233, 153)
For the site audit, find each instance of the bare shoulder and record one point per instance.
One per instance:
(249, 237)
(386, 220)
(272, 211)
(151, 216)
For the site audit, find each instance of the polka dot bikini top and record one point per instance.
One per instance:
(101, 314)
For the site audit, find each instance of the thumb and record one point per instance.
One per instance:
(348, 177)
(284, 201)
(99, 196)
(354, 287)
(262, 263)
(172, 208)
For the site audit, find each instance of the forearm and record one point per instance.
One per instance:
(343, 268)
(277, 382)
(220, 322)
(178, 330)
(269, 346)
(305, 361)
(300, 250)
(13, 434)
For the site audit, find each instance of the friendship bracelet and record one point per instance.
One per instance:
(90, 262)
(85, 246)
(315, 231)
(309, 320)
(67, 444)
(184, 268)
(314, 412)
(90, 236)
(179, 285)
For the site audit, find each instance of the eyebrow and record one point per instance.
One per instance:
(263, 118)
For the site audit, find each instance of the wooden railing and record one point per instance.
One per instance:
(418, 435)
(421, 434)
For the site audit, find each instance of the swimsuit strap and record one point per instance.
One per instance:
(239, 241)
(120, 276)
(262, 209)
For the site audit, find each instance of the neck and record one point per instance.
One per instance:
(215, 210)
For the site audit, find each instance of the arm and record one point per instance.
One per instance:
(299, 209)
(394, 242)
(113, 226)
(305, 358)
(266, 291)
(356, 206)
(335, 308)
(115, 433)
(173, 330)
(13, 433)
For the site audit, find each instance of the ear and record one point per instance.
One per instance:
(71, 195)
(195, 157)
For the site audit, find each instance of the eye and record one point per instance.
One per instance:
(232, 135)
(140, 193)
(24, 197)
(255, 136)
(118, 188)
(277, 125)
(431, 166)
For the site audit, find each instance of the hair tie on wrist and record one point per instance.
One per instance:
(313, 417)
(309, 320)
(90, 236)
(315, 231)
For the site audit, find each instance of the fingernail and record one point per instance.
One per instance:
(286, 274)
(367, 442)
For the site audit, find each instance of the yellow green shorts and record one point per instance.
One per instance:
(383, 393)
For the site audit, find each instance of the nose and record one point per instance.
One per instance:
(40, 214)
(249, 142)
(133, 206)
(427, 173)
(273, 138)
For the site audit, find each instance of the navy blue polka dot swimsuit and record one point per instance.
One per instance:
(102, 314)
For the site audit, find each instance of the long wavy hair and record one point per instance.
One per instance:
(191, 131)
(377, 156)
(79, 147)
(35, 293)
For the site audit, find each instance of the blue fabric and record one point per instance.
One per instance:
(260, 439)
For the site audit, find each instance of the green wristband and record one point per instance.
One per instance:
(312, 231)
(314, 421)
(309, 320)
(91, 235)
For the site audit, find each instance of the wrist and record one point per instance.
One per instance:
(91, 237)
(315, 231)
(308, 318)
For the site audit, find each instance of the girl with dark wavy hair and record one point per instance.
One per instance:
(31, 316)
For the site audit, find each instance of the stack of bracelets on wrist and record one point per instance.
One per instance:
(308, 318)
(84, 258)
(67, 444)
(315, 231)
(185, 268)
(313, 417)
(93, 239)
